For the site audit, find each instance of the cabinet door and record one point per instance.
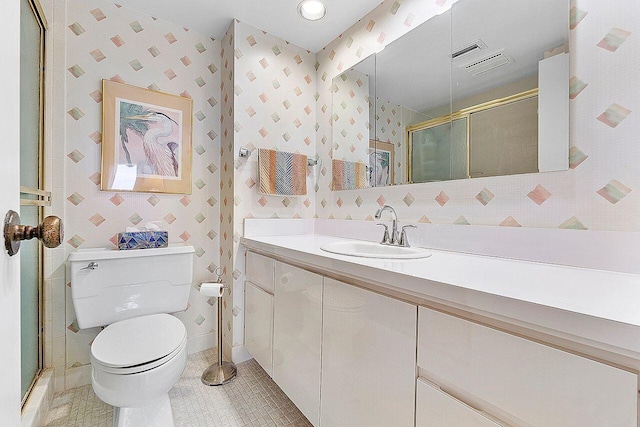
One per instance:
(259, 271)
(297, 336)
(532, 383)
(434, 408)
(368, 358)
(258, 325)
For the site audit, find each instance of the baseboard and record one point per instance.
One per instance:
(201, 342)
(77, 377)
(240, 354)
(36, 409)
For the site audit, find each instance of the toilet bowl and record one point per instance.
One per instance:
(141, 353)
(135, 363)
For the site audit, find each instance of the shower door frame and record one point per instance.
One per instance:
(42, 197)
(464, 113)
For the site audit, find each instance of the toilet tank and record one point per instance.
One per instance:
(129, 283)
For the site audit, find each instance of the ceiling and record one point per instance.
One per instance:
(277, 17)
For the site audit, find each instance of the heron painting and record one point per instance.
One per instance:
(146, 141)
(156, 132)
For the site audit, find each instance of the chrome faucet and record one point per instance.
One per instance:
(404, 242)
(393, 238)
(389, 238)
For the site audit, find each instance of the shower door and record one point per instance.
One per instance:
(32, 28)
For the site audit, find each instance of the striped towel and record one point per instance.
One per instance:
(349, 175)
(282, 173)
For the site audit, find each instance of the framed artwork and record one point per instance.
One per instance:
(381, 158)
(146, 140)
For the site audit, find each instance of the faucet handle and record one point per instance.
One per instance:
(385, 238)
(403, 236)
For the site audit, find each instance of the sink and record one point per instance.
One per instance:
(374, 250)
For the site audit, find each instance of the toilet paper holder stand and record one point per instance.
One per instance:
(220, 372)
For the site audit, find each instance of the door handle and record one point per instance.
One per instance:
(50, 232)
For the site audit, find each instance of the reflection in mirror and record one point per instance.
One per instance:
(480, 90)
(510, 74)
(413, 86)
(353, 115)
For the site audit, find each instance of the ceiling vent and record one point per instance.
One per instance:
(488, 63)
(468, 48)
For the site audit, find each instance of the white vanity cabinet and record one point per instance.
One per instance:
(368, 358)
(297, 336)
(348, 356)
(520, 381)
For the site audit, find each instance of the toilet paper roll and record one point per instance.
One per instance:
(212, 289)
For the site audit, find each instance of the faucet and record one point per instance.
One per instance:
(393, 238)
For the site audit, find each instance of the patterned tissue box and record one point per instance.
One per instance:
(143, 240)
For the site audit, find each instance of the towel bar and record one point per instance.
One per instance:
(245, 153)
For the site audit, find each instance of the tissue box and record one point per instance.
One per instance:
(143, 240)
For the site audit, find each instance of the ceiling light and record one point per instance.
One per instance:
(312, 9)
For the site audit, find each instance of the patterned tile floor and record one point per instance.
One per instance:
(252, 399)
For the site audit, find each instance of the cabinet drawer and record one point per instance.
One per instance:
(260, 271)
(258, 325)
(533, 383)
(434, 408)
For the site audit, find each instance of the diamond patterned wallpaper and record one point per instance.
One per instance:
(104, 40)
(599, 190)
(269, 100)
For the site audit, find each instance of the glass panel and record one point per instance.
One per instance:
(29, 318)
(504, 140)
(459, 149)
(354, 133)
(30, 124)
(503, 57)
(431, 151)
(413, 77)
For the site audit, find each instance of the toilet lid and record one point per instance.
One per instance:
(138, 341)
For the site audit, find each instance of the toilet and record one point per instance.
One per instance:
(142, 350)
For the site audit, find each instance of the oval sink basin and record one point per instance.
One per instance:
(374, 250)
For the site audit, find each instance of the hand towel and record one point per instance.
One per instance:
(348, 175)
(282, 173)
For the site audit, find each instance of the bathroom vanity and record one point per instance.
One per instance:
(453, 339)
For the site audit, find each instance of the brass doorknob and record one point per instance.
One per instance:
(50, 232)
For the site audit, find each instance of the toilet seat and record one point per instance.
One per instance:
(138, 344)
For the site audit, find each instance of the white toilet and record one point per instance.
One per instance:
(141, 353)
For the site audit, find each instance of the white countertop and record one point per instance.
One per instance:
(602, 306)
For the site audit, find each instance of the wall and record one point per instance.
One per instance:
(103, 40)
(273, 107)
(596, 193)
(226, 180)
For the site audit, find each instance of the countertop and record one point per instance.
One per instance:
(602, 307)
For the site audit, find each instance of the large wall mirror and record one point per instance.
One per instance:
(481, 90)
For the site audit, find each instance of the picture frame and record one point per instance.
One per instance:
(146, 140)
(381, 163)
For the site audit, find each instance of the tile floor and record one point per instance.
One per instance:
(252, 399)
